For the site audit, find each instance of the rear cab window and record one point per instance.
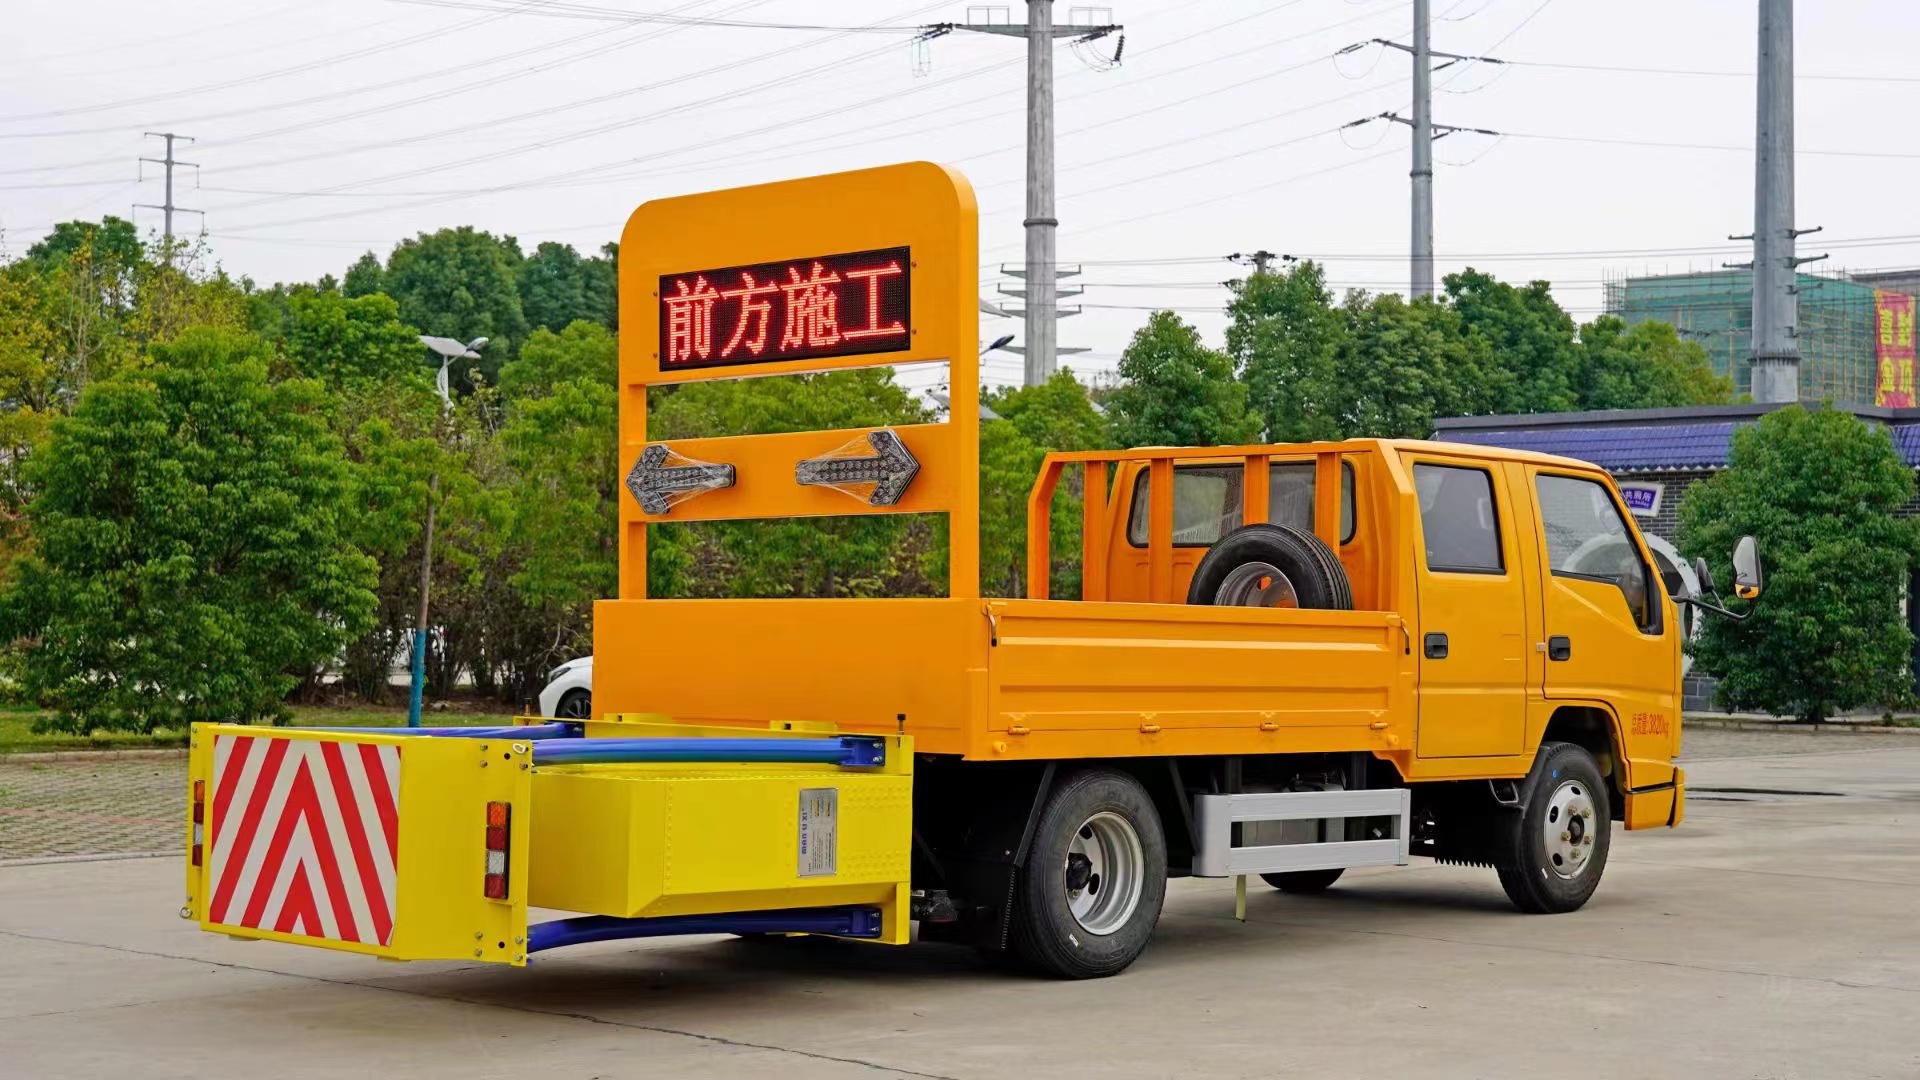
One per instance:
(1207, 501)
(1459, 519)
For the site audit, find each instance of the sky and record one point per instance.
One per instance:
(325, 130)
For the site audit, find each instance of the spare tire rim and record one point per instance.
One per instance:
(1105, 873)
(1568, 828)
(1256, 584)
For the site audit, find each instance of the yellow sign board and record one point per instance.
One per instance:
(860, 269)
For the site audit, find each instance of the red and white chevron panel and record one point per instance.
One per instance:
(304, 837)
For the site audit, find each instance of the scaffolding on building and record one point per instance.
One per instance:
(1838, 362)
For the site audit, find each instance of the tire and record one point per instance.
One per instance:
(574, 705)
(1552, 859)
(1099, 828)
(1271, 566)
(1303, 882)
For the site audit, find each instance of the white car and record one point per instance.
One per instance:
(569, 692)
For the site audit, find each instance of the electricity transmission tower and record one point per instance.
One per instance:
(166, 207)
(1042, 273)
(1425, 131)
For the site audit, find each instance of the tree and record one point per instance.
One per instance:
(1284, 338)
(582, 351)
(1056, 415)
(365, 277)
(1644, 366)
(1819, 490)
(190, 561)
(350, 340)
(460, 283)
(1530, 339)
(1177, 391)
(558, 287)
(1400, 366)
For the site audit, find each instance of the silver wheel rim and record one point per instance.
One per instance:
(574, 707)
(1256, 584)
(1104, 873)
(1568, 829)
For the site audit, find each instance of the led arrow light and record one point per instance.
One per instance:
(878, 478)
(662, 479)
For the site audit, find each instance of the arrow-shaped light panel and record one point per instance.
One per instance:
(875, 469)
(662, 479)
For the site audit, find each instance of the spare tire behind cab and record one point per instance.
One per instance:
(1271, 566)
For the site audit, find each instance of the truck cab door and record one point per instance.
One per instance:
(1610, 629)
(1473, 612)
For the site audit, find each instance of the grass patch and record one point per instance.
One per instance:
(16, 726)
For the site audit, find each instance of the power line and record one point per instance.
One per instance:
(463, 68)
(1626, 70)
(228, 84)
(586, 175)
(618, 15)
(730, 66)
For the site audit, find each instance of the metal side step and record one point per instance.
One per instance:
(1297, 830)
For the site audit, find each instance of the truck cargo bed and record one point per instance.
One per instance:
(1013, 679)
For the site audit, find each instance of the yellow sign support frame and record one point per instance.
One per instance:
(925, 207)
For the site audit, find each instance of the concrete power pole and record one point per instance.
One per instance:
(1776, 301)
(1421, 273)
(166, 207)
(1042, 267)
(1425, 131)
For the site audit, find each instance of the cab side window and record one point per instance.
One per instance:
(1588, 539)
(1458, 516)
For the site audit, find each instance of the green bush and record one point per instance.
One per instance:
(189, 562)
(1818, 490)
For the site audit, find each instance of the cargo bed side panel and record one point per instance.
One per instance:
(856, 664)
(1098, 680)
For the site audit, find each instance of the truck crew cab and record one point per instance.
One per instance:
(1285, 661)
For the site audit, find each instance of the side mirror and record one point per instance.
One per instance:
(1704, 576)
(1749, 576)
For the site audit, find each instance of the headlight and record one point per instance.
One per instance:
(555, 674)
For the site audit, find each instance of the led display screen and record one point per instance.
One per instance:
(798, 309)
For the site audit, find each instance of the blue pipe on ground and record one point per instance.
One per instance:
(859, 922)
(841, 750)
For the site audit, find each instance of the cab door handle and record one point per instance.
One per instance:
(1559, 647)
(1435, 645)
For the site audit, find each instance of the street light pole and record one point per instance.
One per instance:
(449, 350)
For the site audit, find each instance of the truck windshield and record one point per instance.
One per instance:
(1207, 501)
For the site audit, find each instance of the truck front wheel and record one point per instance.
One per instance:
(1555, 856)
(1094, 881)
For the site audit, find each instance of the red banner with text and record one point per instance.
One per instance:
(1893, 349)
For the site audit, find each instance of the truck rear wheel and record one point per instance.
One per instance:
(1094, 881)
(1555, 856)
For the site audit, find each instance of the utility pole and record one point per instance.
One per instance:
(1425, 131)
(1421, 274)
(167, 208)
(1042, 286)
(1776, 302)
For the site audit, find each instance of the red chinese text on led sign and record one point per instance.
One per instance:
(801, 309)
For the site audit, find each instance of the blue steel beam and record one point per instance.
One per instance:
(843, 750)
(859, 922)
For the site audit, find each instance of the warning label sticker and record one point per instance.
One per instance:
(819, 826)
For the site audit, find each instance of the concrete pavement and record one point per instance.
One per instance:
(1775, 935)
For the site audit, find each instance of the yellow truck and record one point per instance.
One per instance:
(1285, 661)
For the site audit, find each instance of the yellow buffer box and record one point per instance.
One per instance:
(683, 839)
